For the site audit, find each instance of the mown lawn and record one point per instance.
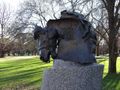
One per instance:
(21, 73)
(112, 81)
(25, 73)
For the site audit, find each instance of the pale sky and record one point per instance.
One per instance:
(14, 4)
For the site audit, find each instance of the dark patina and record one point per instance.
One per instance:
(70, 38)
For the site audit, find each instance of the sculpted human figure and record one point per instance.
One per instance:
(70, 38)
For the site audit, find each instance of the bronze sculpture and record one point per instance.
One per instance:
(70, 38)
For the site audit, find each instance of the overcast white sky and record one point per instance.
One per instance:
(14, 4)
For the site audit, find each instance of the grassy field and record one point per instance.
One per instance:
(21, 73)
(25, 73)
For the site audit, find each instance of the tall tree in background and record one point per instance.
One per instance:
(4, 22)
(113, 9)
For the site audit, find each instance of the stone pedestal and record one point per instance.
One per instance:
(73, 76)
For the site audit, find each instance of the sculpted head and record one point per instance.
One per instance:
(40, 35)
(68, 38)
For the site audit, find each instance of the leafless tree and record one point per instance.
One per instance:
(4, 23)
(113, 11)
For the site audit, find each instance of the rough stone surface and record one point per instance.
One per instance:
(73, 76)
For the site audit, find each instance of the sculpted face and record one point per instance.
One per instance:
(40, 35)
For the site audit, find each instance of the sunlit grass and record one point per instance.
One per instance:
(21, 72)
(26, 73)
(111, 81)
(11, 58)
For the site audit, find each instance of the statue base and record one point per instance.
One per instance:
(73, 76)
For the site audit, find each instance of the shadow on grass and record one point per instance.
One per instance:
(111, 82)
(3, 68)
(34, 82)
(100, 61)
(24, 74)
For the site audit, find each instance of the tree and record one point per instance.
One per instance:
(4, 22)
(24, 44)
(112, 7)
(36, 11)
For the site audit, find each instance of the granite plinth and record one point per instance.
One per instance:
(73, 76)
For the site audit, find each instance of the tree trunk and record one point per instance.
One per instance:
(97, 50)
(112, 36)
(112, 56)
(113, 49)
(8, 53)
(112, 64)
(2, 54)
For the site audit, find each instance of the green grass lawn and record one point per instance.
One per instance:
(112, 81)
(21, 72)
(25, 73)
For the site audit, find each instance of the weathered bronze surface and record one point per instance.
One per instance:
(70, 38)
